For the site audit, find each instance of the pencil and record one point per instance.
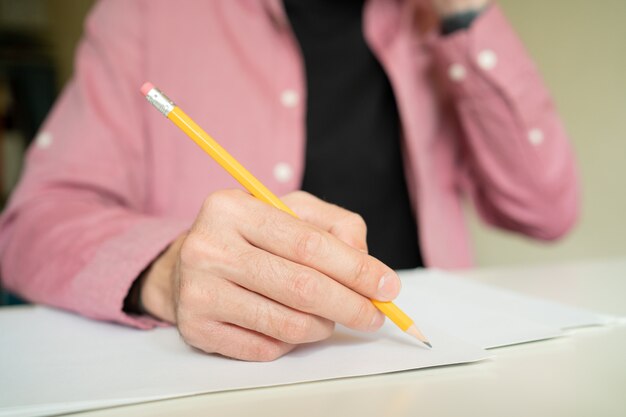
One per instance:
(167, 107)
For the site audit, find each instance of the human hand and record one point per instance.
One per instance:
(251, 282)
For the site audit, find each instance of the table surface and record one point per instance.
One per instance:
(581, 374)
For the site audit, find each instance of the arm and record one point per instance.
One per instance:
(76, 233)
(246, 281)
(518, 164)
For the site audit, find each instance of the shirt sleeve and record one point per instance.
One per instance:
(518, 165)
(77, 232)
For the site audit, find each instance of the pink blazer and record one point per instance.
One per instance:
(109, 183)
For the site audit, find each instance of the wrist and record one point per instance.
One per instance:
(156, 291)
(132, 302)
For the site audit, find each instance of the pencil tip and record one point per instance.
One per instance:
(413, 331)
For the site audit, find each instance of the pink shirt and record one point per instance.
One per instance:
(109, 182)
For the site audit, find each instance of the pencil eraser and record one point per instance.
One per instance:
(145, 88)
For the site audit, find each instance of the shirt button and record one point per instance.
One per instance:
(535, 136)
(44, 140)
(290, 98)
(487, 59)
(456, 72)
(283, 172)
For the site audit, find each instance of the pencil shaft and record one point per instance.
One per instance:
(394, 313)
(226, 160)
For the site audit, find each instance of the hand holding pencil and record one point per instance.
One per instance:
(251, 282)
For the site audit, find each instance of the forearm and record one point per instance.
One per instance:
(79, 229)
(79, 255)
(519, 163)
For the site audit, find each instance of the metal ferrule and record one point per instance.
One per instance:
(160, 101)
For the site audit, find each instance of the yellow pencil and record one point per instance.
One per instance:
(166, 106)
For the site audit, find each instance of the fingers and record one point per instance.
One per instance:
(232, 341)
(251, 281)
(347, 226)
(247, 309)
(305, 244)
(304, 289)
(216, 315)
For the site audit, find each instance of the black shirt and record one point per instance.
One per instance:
(353, 153)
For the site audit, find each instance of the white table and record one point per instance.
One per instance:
(582, 374)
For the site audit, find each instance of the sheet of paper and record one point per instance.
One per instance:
(468, 319)
(56, 362)
(467, 294)
(52, 361)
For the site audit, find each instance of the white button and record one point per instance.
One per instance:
(487, 59)
(535, 136)
(456, 72)
(44, 140)
(290, 98)
(283, 172)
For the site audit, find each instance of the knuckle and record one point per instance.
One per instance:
(257, 315)
(307, 245)
(185, 292)
(200, 337)
(202, 251)
(212, 337)
(194, 297)
(265, 266)
(356, 220)
(361, 315)
(296, 329)
(361, 272)
(213, 202)
(304, 289)
(221, 202)
(260, 350)
(192, 249)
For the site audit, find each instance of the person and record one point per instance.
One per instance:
(372, 123)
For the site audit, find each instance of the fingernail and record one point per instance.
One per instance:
(377, 321)
(388, 287)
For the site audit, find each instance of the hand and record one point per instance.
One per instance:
(445, 8)
(251, 282)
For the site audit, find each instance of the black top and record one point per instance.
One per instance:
(353, 156)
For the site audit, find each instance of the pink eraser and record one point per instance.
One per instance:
(145, 88)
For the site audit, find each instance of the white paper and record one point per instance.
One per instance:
(465, 293)
(55, 362)
(469, 319)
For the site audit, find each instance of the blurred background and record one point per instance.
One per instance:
(579, 45)
(37, 41)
